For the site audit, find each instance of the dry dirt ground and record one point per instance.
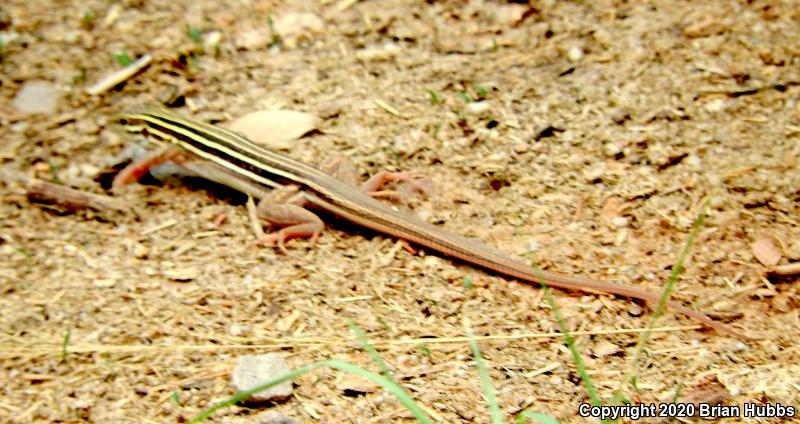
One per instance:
(583, 135)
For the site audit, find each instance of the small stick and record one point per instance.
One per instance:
(788, 269)
(119, 76)
(252, 212)
(71, 199)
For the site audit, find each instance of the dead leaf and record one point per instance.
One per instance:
(275, 128)
(766, 252)
(704, 28)
(788, 269)
(613, 208)
(605, 348)
(355, 385)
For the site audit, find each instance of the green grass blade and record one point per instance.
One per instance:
(373, 354)
(569, 340)
(486, 381)
(122, 58)
(644, 339)
(387, 384)
(573, 348)
(434, 97)
(65, 344)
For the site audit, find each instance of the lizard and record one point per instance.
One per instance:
(229, 158)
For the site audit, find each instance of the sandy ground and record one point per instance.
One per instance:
(583, 135)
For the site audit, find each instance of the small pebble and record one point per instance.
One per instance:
(694, 162)
(477, 108)
(738, 346)
(619, 221)
(237, 330)
(714, 106)
(211, 41)
(594, 174)
(104, 283)
(37, 97)
(140, 251)
(253, 370)
(611, 149)
(388, 51)
(575, 54)
(635, 310)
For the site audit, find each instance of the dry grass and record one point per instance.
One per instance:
(650, 121)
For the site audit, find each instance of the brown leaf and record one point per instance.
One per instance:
(613, 208)
(704, 28)
(275, 128)
(605, 348)
(766, 252)
(355, 385)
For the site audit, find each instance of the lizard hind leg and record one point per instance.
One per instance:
(411, 183)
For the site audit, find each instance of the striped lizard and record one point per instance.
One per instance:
(231, 159)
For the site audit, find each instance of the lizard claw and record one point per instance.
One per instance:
(273, 240)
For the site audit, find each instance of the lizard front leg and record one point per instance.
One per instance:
(138, 168)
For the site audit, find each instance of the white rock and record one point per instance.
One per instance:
(620, 222)
(37, 97)
(211, 41)
(477, 108)
(575, 54)
(716, 105)
(694, 162)
(254, 370)
(611, 149)
(385, 52)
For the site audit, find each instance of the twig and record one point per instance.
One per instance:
(119, 76)
(788, 269)
(69, 198)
